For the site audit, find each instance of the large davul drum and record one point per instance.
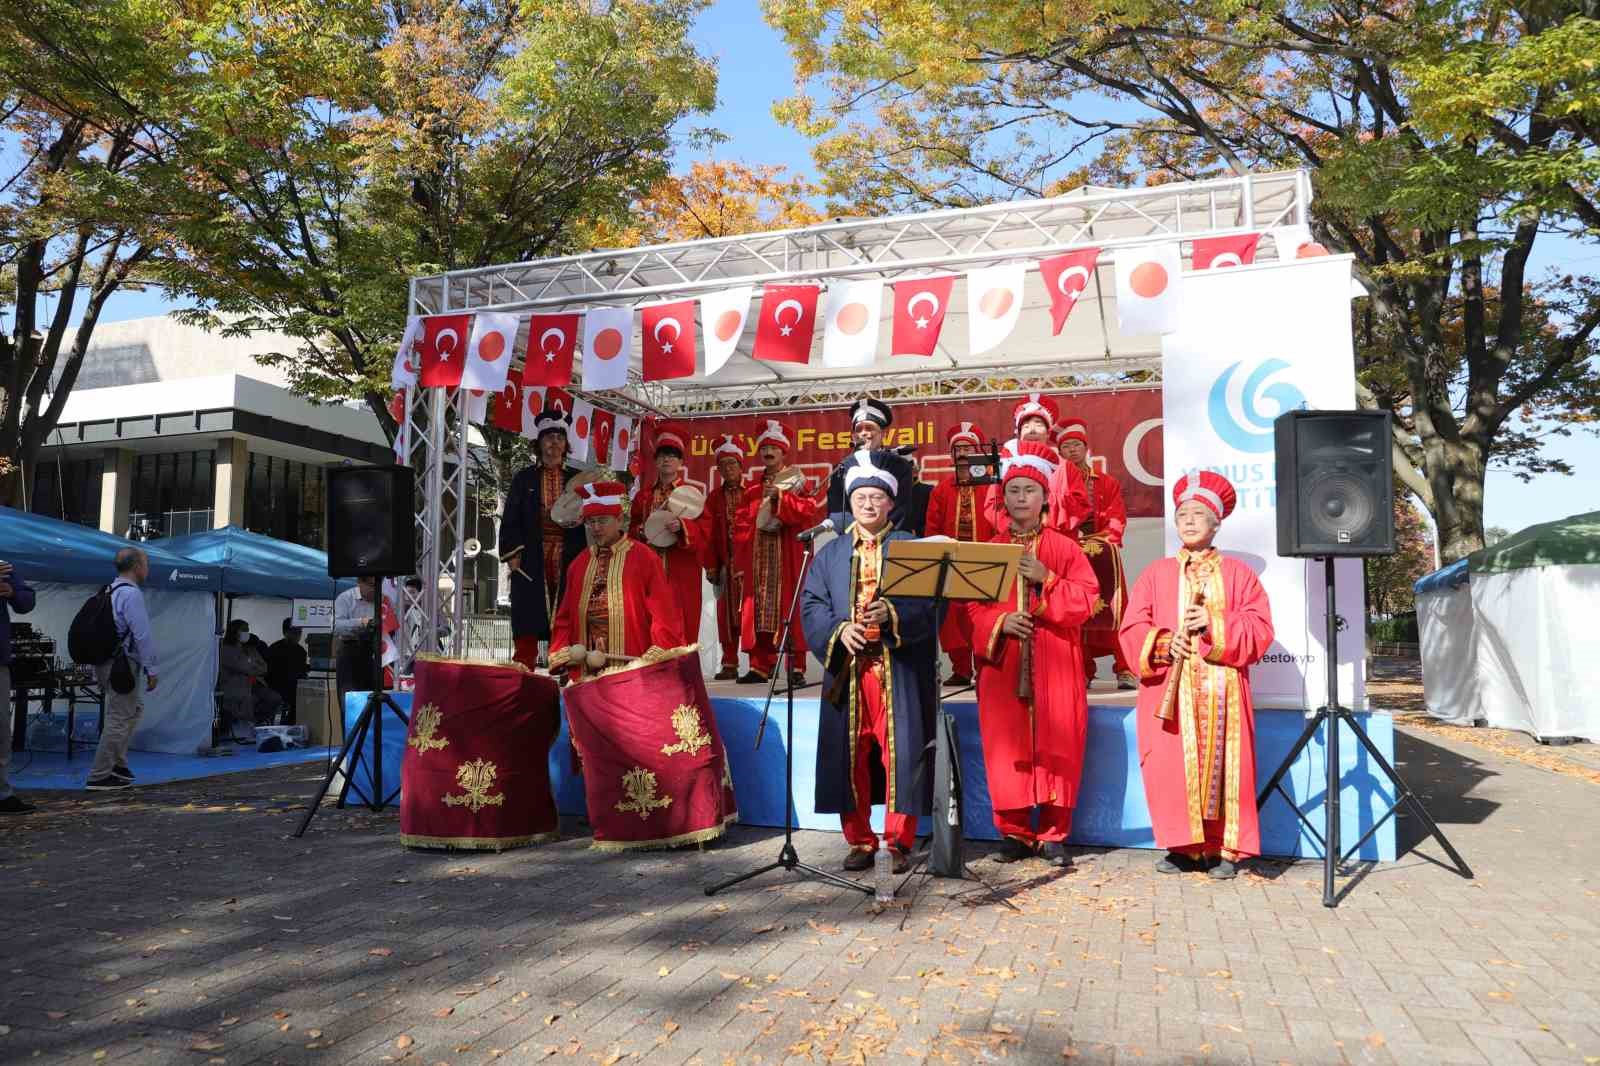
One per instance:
(655, 774)
(476, 771)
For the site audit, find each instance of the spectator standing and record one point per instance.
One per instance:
(124, 709)
(287, 663)
(353, 635)
(15, 595)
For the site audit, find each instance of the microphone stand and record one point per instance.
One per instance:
(788, 858)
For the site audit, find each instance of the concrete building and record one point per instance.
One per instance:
(183, 430)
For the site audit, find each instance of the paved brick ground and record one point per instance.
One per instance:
(182, 924)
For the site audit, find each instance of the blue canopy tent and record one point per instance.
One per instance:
(257, 565)
(65, 563)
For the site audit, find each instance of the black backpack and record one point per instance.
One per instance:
(92, 639)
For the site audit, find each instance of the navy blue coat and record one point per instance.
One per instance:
(910, 641)
(522, 526)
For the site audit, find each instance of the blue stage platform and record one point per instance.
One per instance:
(1111, 805)
(52, 769)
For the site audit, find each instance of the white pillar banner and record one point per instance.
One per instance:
(1257, 341)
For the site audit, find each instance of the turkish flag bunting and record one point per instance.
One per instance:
(605, 424)
(443, 347)
(557, 399)
(1065, 279)
(508, 408)
(1213, 252)
(669, 340)
(788, 319)
(552, 340)
(919, 307)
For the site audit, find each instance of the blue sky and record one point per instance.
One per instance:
(755, 72)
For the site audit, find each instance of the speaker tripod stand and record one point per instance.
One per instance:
(370, 722)
(1331, 716)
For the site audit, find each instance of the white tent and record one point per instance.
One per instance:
(1449, 644)
(1538, 662)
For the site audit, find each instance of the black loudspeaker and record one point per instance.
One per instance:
(370, 512)
(1335, 483)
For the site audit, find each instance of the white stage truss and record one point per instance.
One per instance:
(1090, 347)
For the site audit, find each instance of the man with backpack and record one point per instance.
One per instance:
(120, 680)
(15, 595)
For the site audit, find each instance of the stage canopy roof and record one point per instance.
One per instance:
(257, 565)
(47, 549)
(890, 248)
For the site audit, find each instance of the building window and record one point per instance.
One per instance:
(68, 490)
(172, 493)
(284, 499)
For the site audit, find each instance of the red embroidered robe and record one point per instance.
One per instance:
(1199, 769)
(1033, 751)
(683, 562)
(1066, 495)
(770, 562)
(626, 585)
(958, 512)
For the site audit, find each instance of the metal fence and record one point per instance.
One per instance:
(488, 637)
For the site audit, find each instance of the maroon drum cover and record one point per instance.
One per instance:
(476, 770)
(655, 774)
(1105, 559)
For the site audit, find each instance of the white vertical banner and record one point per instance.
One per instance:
(1257, 341)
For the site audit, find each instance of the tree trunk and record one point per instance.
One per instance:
(1455, 473)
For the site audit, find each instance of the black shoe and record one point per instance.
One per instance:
(797, 679)
(1223, 871)
(1056, 855)
(727, 673)
(121, 770)
(752, 678)
(108, 783)
(858, 860)
(13, 804)
(1175, 863)
(957, 681)
(1014, 850)
(1126, 682)
(902, 860)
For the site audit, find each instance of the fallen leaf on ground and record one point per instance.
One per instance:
(404, 1041)
(228, 1021)
(203, 1044)
(663, 972)
(444, 1012)
(550, 1019)
(315, 1034)
(381, 952)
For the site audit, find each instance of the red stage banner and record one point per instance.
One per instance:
(1124, 437)
(476, 770)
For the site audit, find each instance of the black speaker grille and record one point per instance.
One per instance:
(1338, 507)
(369, 521)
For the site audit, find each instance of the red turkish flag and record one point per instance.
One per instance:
(1215, 252)
(605, 426)
(558, 399)
(788, 319)
(668, 340)
(508, 408)
(552, 339)
(919, 307)
(443, 348)
(1065, 279)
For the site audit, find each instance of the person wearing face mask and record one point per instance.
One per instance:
(240, 672)
(1195, 624)
(878, 655)
(684, 560)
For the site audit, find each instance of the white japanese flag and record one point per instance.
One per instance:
(580, 430)
(494, 338)
(1148, 297)
(476, 405)
(404, 373)
(623, 439)
(850, 323)
(994, 300)
(607, 342)
(722, 320)
(1288, 239)
(532, 404)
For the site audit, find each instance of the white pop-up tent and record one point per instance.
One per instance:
(1538, 659)
(1449, 644)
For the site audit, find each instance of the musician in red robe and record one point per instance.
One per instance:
(1101, 530)
(956, 511)
(1205, 616)
(1032, 712)
(1034, 418)
(682, 561)
(724, 570)
(617, 600)
(777, 508)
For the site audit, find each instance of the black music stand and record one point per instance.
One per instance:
(942, 571)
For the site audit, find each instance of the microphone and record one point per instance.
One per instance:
(906, 449)
(825, 526)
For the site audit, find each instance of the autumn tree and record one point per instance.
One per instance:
(1448, 142)
(714, 198)
(1390, 577)
(289, 166)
